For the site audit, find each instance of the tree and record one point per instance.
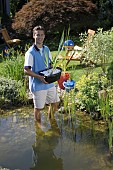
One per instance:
(55, 15)
(16, 5)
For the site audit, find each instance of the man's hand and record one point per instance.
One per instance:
(31, 73)
(42, 79)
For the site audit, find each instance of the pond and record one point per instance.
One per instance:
(57, 144)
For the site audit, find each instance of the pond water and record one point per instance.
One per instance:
(56, 144)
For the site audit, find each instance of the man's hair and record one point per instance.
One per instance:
(39, 27)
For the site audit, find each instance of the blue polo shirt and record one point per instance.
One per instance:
(37, 62)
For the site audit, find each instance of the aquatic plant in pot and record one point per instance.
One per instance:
(53, 73)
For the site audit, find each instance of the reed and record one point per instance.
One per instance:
(110, 140)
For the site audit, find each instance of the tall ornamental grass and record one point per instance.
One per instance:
(13, 67)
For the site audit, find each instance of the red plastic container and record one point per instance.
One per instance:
(63, 77)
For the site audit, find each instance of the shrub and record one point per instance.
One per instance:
(12, 91)
(88, 88)
(100, 49)
(55, 16)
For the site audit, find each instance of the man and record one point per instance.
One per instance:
(38, 58)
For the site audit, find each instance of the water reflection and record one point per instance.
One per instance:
(46, 142)
(56, 144)
(16, 139)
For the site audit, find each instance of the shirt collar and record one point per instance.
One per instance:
(36, 48)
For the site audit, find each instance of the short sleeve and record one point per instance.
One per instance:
(28, 59)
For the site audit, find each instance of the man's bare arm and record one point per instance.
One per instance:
(32, 74)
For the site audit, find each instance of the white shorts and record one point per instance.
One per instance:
(42, 97)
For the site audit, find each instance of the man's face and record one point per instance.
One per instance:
(39, 36)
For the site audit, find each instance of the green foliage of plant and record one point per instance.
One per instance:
(59, 50)
(105, 14)
(110, 139)
(13, 67)
(110, 72)
(88, 88)
(14, 86)
(12, 91)
(104, 103)
(55, 60)
(110, 95)
(16, 5)
(99, 48)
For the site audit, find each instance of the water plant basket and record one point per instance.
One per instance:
(51, 75)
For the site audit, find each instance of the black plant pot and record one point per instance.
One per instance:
(51, 75)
